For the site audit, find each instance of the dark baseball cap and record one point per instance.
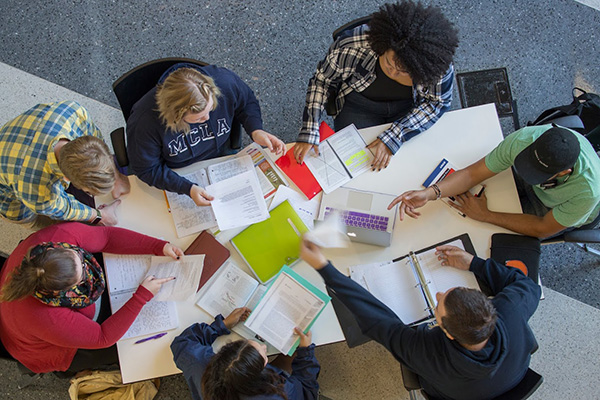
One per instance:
(554, 151)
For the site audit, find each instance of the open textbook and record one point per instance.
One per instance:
(289, 301)
(124, 273)
(190, 219)
(342, 156)
(408, 284)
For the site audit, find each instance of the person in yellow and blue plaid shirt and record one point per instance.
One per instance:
(45, 149)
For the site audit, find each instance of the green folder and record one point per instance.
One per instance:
(269, 245)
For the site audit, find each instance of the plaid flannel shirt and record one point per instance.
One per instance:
(350, 66)
(30, 181)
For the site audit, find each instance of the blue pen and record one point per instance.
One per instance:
(151, 338)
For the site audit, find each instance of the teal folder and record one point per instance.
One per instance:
(269, 245)
(310, 287)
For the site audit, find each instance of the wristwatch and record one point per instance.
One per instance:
(97, 220)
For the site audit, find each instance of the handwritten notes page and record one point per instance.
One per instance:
(440, 278)
(124, 274)
(187, 271)
(187, 216)
(396, 286)
(231, 288)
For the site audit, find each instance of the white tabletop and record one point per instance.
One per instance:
(462, 137)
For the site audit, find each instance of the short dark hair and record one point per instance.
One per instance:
(470, 316)
(422, 38)
(237, 370)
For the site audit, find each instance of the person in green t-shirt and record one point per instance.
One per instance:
(558, 167)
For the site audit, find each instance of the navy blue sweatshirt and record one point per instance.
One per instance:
(446, 369)
(192, 352)
(153, 149)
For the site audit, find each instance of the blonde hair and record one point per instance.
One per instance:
(53, 269)
(86, 161)
(184, 90)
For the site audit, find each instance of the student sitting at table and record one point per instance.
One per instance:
(480, 349)
(52, 160)
(557, 173)
(240, 370)
(51, 316)
(187, 118)
(397, 68)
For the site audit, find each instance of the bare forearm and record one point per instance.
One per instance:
(525, 224)
(458, 182)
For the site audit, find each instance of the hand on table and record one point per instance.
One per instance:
(269, 141)
(109, 213)
(172, 251)
(237, 315)
(302, 149)
(452, 256)
(382, 154)
(200, 196)
(411, 200)
(153, 284)
(474, 207)
(311, 253)
(305, 338)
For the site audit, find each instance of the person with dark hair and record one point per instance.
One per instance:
(188, 117)
(240, 369)
(558, 177)
(480, 349)
(54, 308)
(395, 69)
(52, 160)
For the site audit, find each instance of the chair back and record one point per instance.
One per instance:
(332, 94)
(132, 85)
(351, 25)
(524, 389)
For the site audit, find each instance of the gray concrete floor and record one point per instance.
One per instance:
(548, 47)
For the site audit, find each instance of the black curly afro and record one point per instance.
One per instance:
(422, 38)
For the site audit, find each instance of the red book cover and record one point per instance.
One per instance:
(300, 174)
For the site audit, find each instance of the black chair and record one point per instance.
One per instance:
(332, 94)
(133, 85)
(524, 389)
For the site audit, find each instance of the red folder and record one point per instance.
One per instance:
(299, 173)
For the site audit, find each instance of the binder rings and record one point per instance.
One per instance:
(269, 245)
(408, 284)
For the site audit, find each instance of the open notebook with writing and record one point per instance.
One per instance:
(408, 284)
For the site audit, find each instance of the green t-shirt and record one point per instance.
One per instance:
(574, 202)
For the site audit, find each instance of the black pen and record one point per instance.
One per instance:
(480, 192)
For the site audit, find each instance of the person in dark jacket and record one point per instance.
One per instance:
(187, 118)
(480, 349)
(240, 370)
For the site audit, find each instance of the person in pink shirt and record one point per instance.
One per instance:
(50, 287)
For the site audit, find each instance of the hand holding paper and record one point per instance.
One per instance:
(331, 233)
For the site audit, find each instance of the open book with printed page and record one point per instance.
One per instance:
(408, 284)
(286, 302)
(189, 218)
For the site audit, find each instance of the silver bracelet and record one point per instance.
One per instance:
(438, 192)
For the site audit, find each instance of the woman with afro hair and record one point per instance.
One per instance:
(395, 69)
